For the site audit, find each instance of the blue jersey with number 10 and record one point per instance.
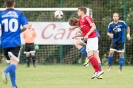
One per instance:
(10, 23)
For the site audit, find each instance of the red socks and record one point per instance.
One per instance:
(94, 63)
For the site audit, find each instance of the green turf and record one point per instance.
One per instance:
(70, 76)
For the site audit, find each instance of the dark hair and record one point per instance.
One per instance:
(82, 8)
(116, 13)
(9, 3)
(72, 21)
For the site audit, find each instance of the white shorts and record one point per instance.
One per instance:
(92, 44)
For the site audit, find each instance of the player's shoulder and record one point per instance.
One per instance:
(121, 21)
(86, 17)
(111, 23)
(10, 12)
(18, 11)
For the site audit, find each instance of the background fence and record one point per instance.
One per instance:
(102, 15)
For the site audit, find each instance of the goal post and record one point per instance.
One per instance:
(89, 11)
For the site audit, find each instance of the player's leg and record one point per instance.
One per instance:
(32, 51)
(110, 57)
(79, 46)
(121, 54)
(92, 45)
(121, 61)
(27, 52)
(4, 74)
(14, 54)
(96, 54)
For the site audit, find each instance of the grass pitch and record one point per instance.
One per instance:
(69, 76)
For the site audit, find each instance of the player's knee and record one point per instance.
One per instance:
(33, 54)
(78, 46)
(27, 55)
(121, 54)
(111, 53)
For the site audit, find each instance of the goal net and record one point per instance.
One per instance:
(53, 35)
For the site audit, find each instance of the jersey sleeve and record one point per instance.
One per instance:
(23, 19)
(125, 25)
(97, 33)
(0, 30)
(109, 28)
(89, 20)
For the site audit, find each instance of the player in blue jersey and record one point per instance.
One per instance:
(10, 22)
(116, 32)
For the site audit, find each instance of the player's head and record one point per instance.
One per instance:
(29, 25)
(82, 11)
(73, 21)
(9, 3)
(115, 16)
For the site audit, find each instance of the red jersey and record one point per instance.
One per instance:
(85, 24)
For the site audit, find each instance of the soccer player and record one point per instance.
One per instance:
(116, 32)
(87, 27)
(10, 22)
(79, 44)
(29, 37)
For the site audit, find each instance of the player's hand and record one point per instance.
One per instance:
(128, 36)
(110, 35)
(86, 37)
(73, 36)
(72, 28)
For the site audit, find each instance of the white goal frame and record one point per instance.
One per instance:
(89, 11)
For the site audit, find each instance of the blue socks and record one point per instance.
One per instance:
(83, 51)
(110, 60)
(12, 71)
(121, 61)
(100, 65)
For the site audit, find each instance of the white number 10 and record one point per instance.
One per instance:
(9, 25)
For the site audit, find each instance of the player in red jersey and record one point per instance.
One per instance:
(87, 27)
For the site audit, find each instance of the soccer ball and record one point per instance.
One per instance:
(58, 14)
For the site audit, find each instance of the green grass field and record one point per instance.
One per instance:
(70, 76)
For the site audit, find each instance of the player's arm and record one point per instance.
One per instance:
(24, 22)
(73, 27)
(110, 35)
(24, 28)
(77, 35)
(93, 27)
(128, 33)
(109, 31)
(128, 30)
